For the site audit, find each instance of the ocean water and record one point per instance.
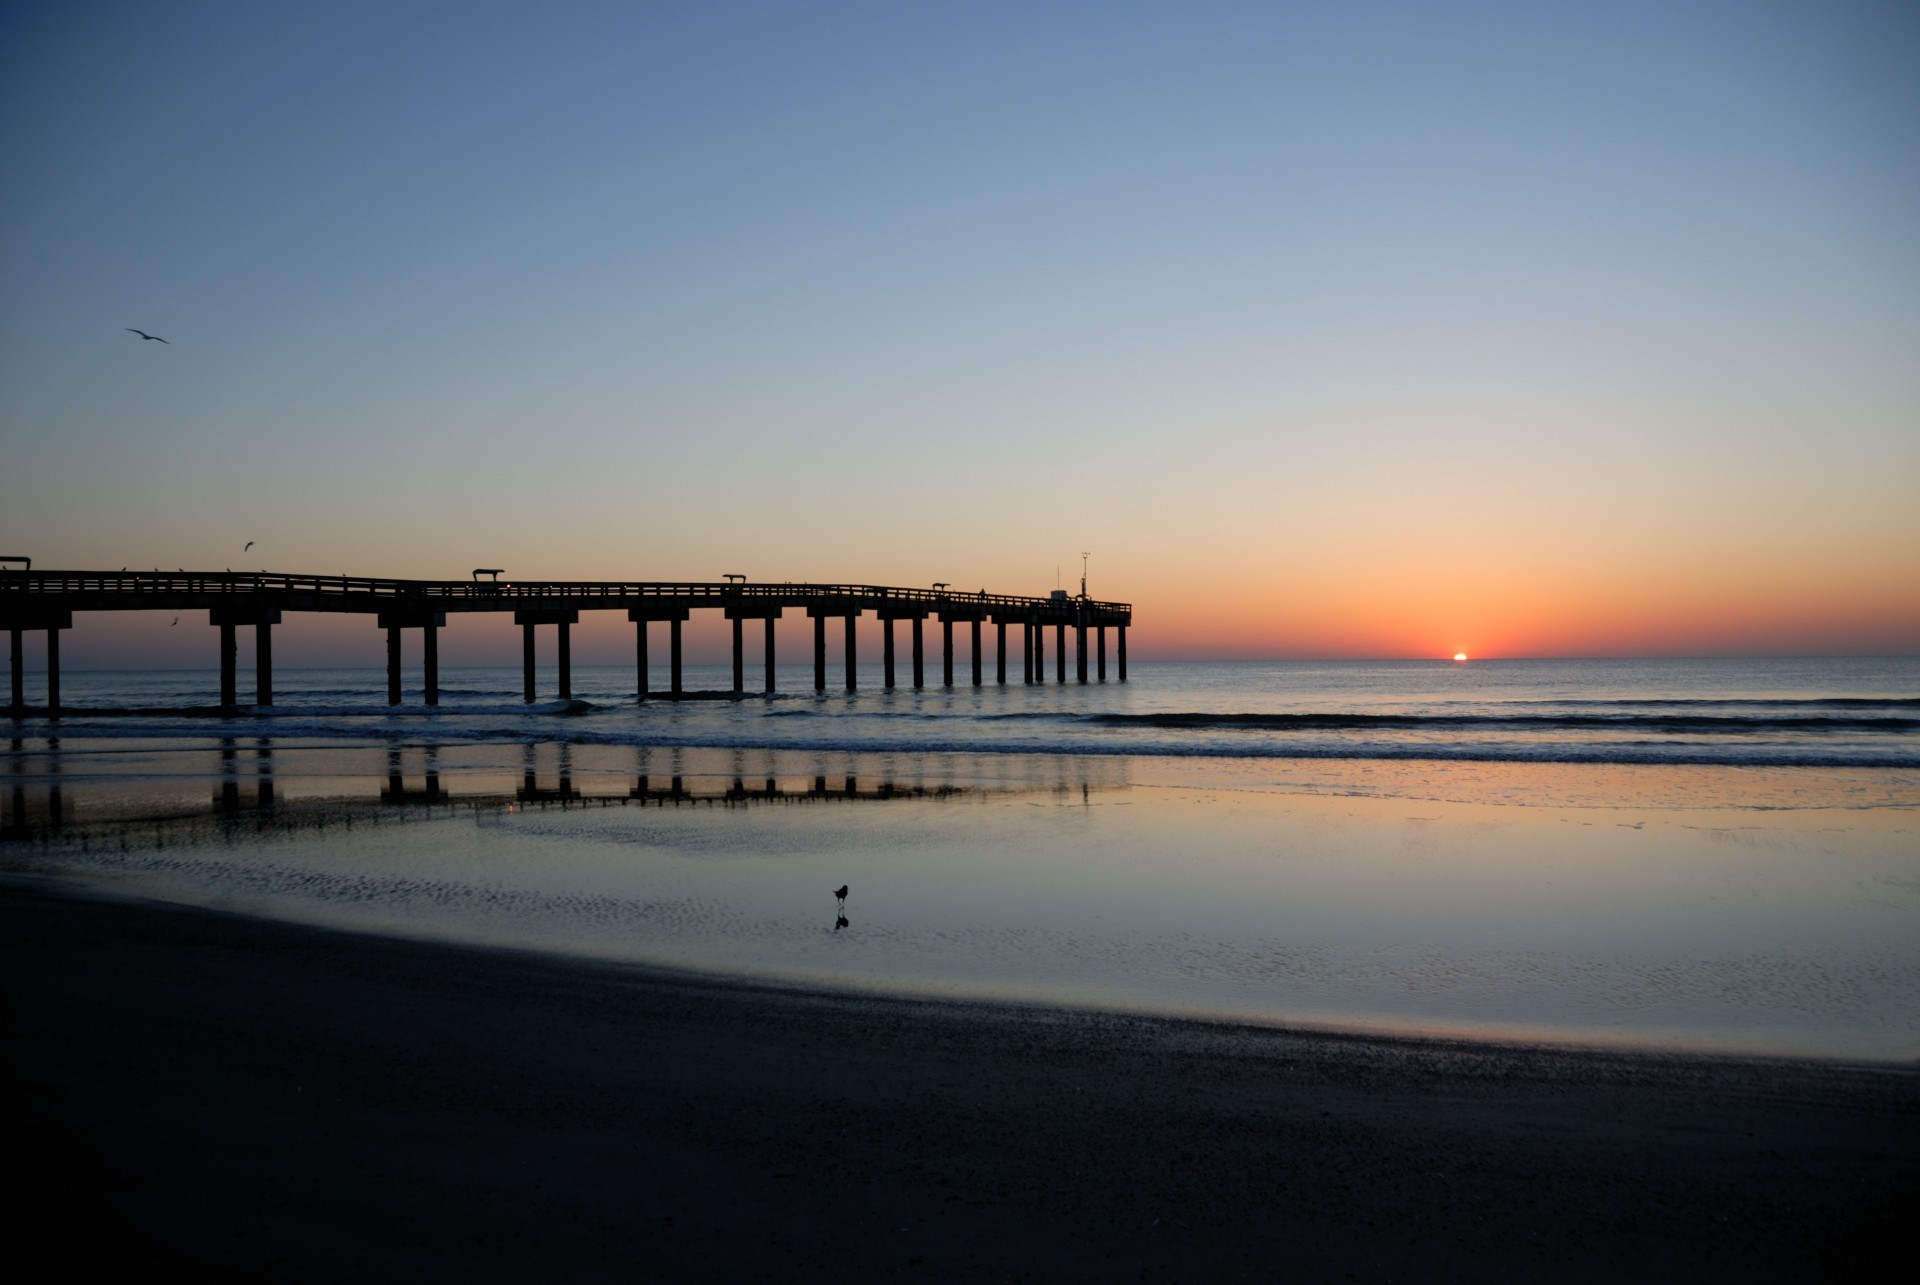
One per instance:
(1700, 854)
(1848, 713)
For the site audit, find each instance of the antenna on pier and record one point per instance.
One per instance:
(1084, 555)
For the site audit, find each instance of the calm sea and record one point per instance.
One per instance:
(1704, 854)
(1854, 713)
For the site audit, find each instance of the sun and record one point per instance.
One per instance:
(1459, 655)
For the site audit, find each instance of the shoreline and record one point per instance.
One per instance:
(357, 1103)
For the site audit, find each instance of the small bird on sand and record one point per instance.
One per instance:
(840, 894)
(144, 335)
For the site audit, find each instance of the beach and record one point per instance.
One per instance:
(1515, 976)
(246, 1098)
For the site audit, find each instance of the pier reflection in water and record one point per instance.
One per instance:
(272, 784)
(396, 790)
(32, 812)
(234, 775)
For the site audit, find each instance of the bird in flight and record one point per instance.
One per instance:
(144, 335)
(176, 620)
(249, 546)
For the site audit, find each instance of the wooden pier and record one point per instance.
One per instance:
(48, 600)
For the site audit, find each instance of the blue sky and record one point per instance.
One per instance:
(1436, 303)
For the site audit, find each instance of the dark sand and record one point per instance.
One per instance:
(248, 1098)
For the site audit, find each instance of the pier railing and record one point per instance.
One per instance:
(374, 593)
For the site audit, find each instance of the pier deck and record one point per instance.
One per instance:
(36, 600)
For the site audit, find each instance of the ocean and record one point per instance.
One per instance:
(1849, 713)
(1702, 854)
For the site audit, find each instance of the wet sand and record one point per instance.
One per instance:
(241, 1097)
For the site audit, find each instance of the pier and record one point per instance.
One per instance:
(49, 600)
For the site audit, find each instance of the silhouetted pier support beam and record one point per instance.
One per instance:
(1100, 647)
(641, 617)
(1000, 650)
(1060, 651)
(1080, 648)
(821, 614)
(744, 611)
(262, 620)
(1039, 674)
(430, 659)
(919, 651)
(230, 665)
(263, 662)
(16, 624)
(393, 661)
(968, 615)
(564, 620)
(429, 621)
(1120, 642)
(887, 616)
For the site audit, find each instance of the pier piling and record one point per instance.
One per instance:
(526, 662)
(53, 670)
(393, 663)
(262, 663)
(528, 619)
(34, 599)
(429, 622)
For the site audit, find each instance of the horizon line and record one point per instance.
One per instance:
(1157, 660)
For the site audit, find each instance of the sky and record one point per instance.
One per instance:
(1349, 329)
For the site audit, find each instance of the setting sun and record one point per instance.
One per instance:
(1459, 655)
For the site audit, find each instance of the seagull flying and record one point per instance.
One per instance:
(249, 546)
(144, 335)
